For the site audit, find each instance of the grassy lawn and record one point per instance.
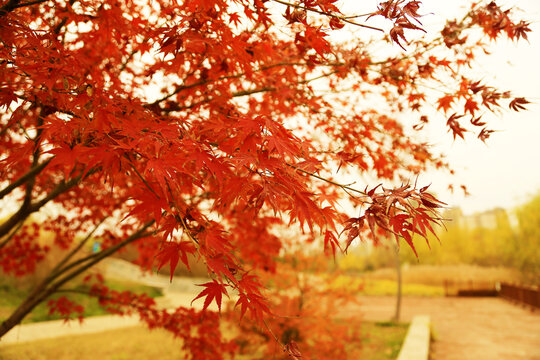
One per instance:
(382, 342)
(11, 297)
(135, 343)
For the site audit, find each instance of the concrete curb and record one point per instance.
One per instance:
(416, 344)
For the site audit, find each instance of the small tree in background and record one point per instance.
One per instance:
(197, 127)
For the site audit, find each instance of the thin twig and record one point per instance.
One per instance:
(343, 186)
(58, 267)
(342, 18)
(144, 180)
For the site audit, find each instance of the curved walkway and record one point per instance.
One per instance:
(463, 328)
(468, 328)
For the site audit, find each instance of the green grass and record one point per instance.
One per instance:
(11, 297)
(382, 340)
(384, 287)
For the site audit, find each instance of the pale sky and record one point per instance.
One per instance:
(505, 171)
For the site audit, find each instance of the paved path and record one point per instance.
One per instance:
(464, 328)
(468, 328)
(56, 328)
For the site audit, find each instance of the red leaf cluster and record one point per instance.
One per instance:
(202, 129)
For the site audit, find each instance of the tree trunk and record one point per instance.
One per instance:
(24, 309)
(398, 293)
(62, 275)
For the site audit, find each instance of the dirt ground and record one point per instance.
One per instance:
(468, 328)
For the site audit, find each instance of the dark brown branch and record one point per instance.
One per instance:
(62, 22)
(99, 255)
(35, 155)
(11, 235)
(343, 186)
(143, 180)
(234, 76)
(24, 212)
(45, 289)
(58, 190)
(30, 3)
(9, 7)
(15, 4)
(26, 177)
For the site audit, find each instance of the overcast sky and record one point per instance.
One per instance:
(505, 172)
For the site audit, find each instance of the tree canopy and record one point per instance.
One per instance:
(201, 127)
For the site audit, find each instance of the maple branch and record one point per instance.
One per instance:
(15, 4)
(8, 7)
(45, 289)
(245, 93)
(92, 259)
(58, 190)
(30, 3)
(11, 235)
(25, 211)
(234, 76)
(26, 177)
(58, 267)
(100, 297)
(62, 22)
(340, 17)
(433, 44)
(343, 186)
(144, 180)
(35, 155)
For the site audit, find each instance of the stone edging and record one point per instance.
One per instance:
(416, 344)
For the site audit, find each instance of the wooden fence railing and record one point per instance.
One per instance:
(470, 288)
(525, 295)
(522, 294)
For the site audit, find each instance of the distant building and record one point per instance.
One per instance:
(489, 219)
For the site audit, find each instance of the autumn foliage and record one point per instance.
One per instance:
(205, 127)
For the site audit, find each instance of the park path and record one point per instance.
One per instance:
(468, 328)
(463, 328)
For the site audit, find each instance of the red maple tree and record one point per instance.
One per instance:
(199, 127)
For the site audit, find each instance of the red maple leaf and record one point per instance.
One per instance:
(445, 102)
(471, 106)
(171, 252)
(517, 104)
(213, 291)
